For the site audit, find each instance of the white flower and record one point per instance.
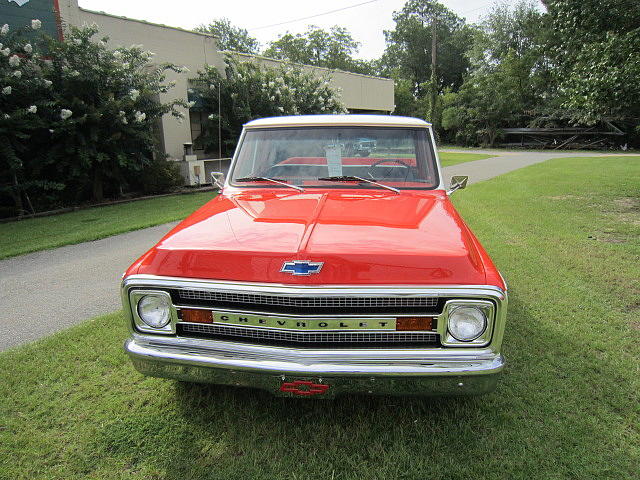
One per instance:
(140, 116)
(28, 48)
(125, 65)
(32, 109)
(272, 98)
(14, 60)
(102, 43)
(64, 113)
(17, 74)
(4, 30)
(7, 116)
(212, 86)
(134, 94)
(77, 41)
(51, 130)
(212, 116)
(75, 73)
(191, 104)
(6, 91)
(48, 83)
(117, 55)
(36, 24)
(5, 52)
(281, 109)
(123, 117)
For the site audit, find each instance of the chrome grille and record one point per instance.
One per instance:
(311, 337)
(313, 302)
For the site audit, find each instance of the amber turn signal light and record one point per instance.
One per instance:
(414, 323)
(197, 316)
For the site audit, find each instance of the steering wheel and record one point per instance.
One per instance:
(372, 167)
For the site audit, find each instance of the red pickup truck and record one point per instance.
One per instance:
(320, 271)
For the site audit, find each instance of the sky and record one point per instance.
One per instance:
(365, 22)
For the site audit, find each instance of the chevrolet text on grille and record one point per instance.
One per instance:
(332, 262)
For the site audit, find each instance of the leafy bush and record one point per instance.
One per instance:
(78, 119)
(159, 176)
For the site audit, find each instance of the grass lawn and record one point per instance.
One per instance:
(565, 233)
(448, 158)
(32, 235)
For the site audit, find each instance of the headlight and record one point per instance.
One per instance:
(466, 323)
(154, 310)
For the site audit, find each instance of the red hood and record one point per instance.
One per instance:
(362, 236)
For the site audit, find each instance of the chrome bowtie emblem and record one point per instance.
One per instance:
(301, 267)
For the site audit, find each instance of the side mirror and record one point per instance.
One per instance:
(217, 179)
(457, 182)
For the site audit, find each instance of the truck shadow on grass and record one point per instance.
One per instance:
(549, 414)
(247, 426)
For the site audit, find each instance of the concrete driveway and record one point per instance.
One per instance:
(47, 291)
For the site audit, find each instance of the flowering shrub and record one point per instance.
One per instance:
(77, 120)
(248, 91)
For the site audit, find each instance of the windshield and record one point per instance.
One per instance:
(398, 157)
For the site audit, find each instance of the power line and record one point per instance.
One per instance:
(489, 4)
(312, 16)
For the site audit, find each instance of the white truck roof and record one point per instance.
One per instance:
(337, 120)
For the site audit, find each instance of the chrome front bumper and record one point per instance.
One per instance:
(434, 371)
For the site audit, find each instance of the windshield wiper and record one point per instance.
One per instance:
(267, 179)
(353, 178)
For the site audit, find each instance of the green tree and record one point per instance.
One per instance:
(333, 49)
(487, 101)
(510, 78)
(405, 99)
(247, 91)
(408, 51)
(230, 37)
(596, 47)
(515, 37)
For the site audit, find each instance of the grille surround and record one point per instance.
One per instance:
(310, 337)
(289, 301)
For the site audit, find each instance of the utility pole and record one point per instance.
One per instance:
(434, 53)
(219, 126)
